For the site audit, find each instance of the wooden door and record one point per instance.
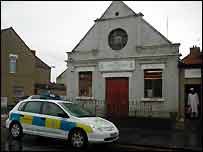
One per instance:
(117, 97)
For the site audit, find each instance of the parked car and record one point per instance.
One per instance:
(59, 119)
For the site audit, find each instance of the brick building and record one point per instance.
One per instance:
(21, 69)
(190, 75)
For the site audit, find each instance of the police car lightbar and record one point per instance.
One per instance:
(46, 96)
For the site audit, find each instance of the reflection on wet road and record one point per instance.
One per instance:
(37, 143)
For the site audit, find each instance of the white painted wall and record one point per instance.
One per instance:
(145, 46)
(117, 6)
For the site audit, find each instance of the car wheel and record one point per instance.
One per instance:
(16, 130)
(78, 139)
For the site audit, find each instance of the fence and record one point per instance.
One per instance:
(96, 107)
(140, 108)
(99, 107)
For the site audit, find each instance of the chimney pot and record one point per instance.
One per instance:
(194, 50)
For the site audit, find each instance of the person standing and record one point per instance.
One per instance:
(193, 102)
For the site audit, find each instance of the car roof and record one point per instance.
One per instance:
(45, 96)
(47, 100)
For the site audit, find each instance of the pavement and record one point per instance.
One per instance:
(163, 133)
(156, 133)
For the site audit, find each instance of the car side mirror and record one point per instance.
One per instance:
(63, 115)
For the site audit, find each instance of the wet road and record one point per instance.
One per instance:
(37, 143)
(131, 139)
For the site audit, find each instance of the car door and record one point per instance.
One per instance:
(30, 117)
(54, 117)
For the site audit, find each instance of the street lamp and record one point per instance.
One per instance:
(52, 67)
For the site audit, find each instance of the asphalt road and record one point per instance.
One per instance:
(37, 143)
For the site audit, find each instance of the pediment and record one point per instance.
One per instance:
(117, 9)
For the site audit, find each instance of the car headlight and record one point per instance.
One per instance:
(95, 128)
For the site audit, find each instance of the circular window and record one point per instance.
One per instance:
(117, 39)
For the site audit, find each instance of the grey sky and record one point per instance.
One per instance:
(53, 28)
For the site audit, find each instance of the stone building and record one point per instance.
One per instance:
(126, 64)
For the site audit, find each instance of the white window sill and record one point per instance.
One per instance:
(152, 99)
(84, 98)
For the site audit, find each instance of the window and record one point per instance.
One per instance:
(12, 63)
(153, 83)
(117, 39)
(18, 91)
(22, 106)
(33, 106)
(85, 84)
(76, 110)
(52, 109)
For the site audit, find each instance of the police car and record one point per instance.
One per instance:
(59, 119)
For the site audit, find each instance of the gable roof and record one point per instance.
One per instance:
(11, 29)
(128, 13)
(40, 64)
(195, 57)
(61, 74)
(83, 38)
(118, 5)
(101, 18)
(38, 61)
(156, 31)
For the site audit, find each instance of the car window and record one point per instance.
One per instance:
(21, 106)
(76, 110)
(33, 106)
(52, 109)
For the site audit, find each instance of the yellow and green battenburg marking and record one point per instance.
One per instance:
(87, 128)
(26, 119)
(53, 123)
(49, 122)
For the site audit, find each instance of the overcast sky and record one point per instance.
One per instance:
(53, 28)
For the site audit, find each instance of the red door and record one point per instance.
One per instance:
(117, 97)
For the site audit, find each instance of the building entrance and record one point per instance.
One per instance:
(117, 97)
(198, 90)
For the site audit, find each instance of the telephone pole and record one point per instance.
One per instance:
(167, 27)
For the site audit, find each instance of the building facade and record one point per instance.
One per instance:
(21, 69)
(190, 69)
(126, 64)
(61, 79)
(55, 88)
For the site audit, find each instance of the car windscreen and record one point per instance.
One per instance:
(76, 110)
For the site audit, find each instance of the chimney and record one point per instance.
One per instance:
(194, 50)
(33, 52)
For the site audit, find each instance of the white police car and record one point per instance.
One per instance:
(59, 119)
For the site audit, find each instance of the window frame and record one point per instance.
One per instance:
(79, 84)
(160, 96)
(42, 112)
(23, 108)
(114, 36)
(13, 63)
